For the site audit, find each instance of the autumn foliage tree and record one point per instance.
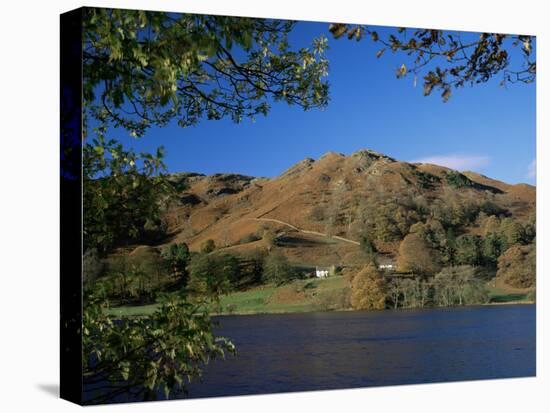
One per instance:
(368, 289)
(517, 266)
(511, 231)
(416, 255)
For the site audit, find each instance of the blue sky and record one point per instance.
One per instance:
(486, 128)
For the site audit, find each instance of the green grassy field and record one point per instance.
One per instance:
(133, 311)
(265, 300)
(297, 296)
(316, 294)
(500, 296)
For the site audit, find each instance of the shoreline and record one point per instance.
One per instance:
(247, 313)
(279, 312)
(329, 295)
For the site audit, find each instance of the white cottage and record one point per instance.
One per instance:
(321, 272)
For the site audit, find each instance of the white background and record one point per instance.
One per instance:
(29, 206)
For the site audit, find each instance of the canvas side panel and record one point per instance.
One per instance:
(71, 205)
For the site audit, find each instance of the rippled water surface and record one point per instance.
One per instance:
(315, 351)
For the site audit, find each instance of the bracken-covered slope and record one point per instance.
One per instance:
(319, 209)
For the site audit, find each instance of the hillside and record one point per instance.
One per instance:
(319, 209)
(420, 222)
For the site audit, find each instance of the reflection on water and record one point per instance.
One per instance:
(315, 351)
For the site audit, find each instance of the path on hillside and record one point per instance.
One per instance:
(305, 231)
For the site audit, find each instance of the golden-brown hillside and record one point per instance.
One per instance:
(319, 209)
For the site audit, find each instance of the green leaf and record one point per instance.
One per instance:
(124, 369)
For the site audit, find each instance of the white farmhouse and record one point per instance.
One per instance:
(321, 272)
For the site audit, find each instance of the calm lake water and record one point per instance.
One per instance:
(316, 351)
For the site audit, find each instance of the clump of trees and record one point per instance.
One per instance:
(517, 266)
(213, 274)
(455, 209)
(388, 219)
(437, 234)
(409, 293)
(452, 286)
(251, 268)
(455, 268)
(368, 289)
(277, 269)
(177, 258)
(426, 180)
(444, 240)
(208, 246)
(459, 286)
(122, 194)
(457, 180)
(132, 279)
(416, 256)
(141, 278)
(367, 246)
(469, 250)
